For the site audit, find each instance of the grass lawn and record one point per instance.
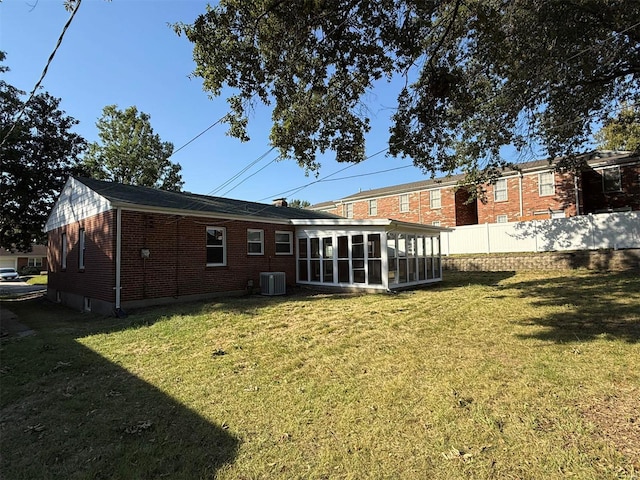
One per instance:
(37, 279)
(496, 375)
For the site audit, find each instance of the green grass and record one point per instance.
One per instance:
(484, 376)
(38, 280)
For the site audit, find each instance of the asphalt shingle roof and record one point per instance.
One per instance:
(152, 197)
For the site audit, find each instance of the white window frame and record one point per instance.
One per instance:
(502, 219)
(373, 207)
(81, 248)
(35, 262)
(604, 171)
(403, 201)
(64, 251)
(223, 231)
(348, 210)
(435, 199)
(289, 243)
(546, 185)
(501, 188)
(259, 242)
(435, 223)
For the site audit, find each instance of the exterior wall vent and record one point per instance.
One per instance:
(273, 283)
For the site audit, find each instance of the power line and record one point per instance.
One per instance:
(253, 174)
(44, 72)
(224, 117)
(237, 175)
(295, 190)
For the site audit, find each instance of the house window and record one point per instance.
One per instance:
(34, 262)
(216, 246)
(64, 251)
(546, 184)
(284, 243)
(611, 181)
(348, 210)
(435, 199)
(373, 207)
(502, 219)
(436, 223)
(500, 190)
(404, 203)
(81, 245)
(255, 242)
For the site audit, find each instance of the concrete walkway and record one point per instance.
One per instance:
(10, 326)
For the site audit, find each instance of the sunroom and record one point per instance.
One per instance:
(375, 254)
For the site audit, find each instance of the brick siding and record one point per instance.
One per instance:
(177, 263)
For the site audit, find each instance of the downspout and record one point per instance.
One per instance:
(575, 188)
(118, 256)
(520, 192)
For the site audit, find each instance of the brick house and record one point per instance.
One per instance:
(115, 247)
(609, 181)
(36, 258)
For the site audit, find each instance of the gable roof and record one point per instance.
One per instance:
(593, 159)
(128, 195)
(84, 197)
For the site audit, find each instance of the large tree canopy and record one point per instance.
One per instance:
(38, 152)
(479, 74)
(621, 132)
(130, 152)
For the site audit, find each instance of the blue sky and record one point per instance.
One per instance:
(125, 53)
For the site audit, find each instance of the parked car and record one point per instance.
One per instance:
(7, 274)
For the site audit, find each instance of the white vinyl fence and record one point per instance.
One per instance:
(585, 232)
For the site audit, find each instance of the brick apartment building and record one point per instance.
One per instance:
(609, 182)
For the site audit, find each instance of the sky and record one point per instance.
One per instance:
(124, 52)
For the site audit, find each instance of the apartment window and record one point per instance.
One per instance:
(216, 246)
(348, 210)
(64, 250)
(436, 223)
(373, 207)
(502, 219)
(34, 262)
(500, 190)
(81, 246)
(435, 199)
(255, 242)
(546, 184)
(404, 203)
(611, 181)
(284, 243)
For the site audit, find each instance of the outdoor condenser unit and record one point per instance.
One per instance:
(273, 283)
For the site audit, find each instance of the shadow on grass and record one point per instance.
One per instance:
(67, 412)
(600, 305)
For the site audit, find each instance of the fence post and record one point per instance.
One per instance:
(486, 225)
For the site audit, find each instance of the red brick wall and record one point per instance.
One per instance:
(419, 211)
(98, 277)
(534, 206)
(177, 262)
(595, 199)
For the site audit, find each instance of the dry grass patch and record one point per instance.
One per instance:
(484, 376)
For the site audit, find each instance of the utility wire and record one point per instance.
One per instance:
(221, 119)
(44, 72)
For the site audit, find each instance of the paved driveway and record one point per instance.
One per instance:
(20, 288)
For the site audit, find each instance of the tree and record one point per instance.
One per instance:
(621, 132)
(475, 75)
(38, 151)
(296, 203)
(130, 152)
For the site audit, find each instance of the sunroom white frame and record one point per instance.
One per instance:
(386, 229)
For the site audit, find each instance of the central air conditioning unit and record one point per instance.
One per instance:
(273, 283)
